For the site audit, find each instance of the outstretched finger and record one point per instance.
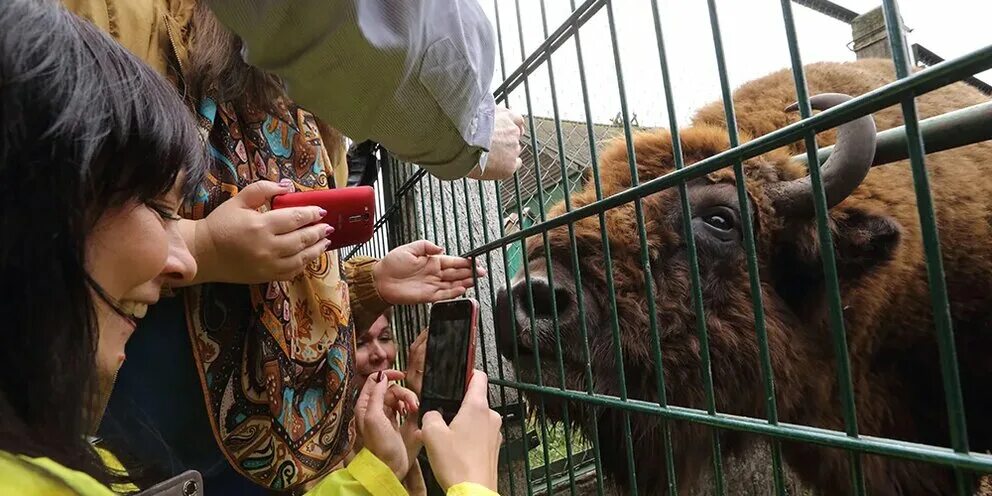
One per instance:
(478, 389)
(479, 270)
(450, 262)
(447, 294)
(421, 339)
(464, 283)
(294, 264)
(289, 244)
(431, 421)
(287, 220)
(401, 399)
(456, 274)
(259, 193)
(377, 394)
(362, 405)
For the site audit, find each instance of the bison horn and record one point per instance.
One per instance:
(842, 172)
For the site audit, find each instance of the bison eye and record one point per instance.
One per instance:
(716, 223)
(719, 221)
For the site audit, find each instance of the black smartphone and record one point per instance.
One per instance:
(450, 356)
(448, 364)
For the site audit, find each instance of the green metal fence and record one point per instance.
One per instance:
(465, 217)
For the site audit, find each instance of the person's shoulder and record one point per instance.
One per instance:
(29, 476)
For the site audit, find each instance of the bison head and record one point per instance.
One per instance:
(569, 300)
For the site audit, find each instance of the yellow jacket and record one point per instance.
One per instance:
(366, 474)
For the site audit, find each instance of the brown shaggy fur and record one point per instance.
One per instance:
(885, 296)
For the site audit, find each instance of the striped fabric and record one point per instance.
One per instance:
(412, 75)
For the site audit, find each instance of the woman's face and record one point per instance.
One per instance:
(376, 348)
(131, 253)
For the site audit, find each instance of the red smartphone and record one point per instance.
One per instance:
(350, 211)
(450, 356)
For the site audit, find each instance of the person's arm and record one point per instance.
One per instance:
(367, 475)
(410, 274)
(366, 304)
(411, 75)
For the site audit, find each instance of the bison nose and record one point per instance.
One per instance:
(504, 325)
(548, 304)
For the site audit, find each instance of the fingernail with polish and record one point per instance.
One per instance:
(328, 231)
(378, 377)
(321, 213)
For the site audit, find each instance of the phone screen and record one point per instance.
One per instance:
(447, 351)
(443, 389)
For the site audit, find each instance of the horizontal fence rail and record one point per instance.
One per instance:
(943, 132)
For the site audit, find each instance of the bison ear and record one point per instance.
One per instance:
(863, 241)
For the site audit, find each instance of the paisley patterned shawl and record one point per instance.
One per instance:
(274, 359)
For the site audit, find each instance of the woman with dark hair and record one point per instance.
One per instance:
(97, 154)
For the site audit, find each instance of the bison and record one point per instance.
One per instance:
(882, 274)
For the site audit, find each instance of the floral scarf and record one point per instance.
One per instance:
(274, 359)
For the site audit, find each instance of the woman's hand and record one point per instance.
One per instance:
(418, 273)
(468, 449)
(415, 362)
(410, 432)
(238, 244)
(375, 417)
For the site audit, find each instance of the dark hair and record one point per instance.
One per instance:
(84, 127)
(218, 70)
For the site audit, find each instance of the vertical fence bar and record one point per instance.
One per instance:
(506, 276)
(542, 418)
(513, 331)
(697, 293)
(457, 220)
(421, 311)
(957, 422)
(499, 356)
(444, 213)
(639, 219)
(566, 419)
(835, 305)
(743, 200)
(583, 329)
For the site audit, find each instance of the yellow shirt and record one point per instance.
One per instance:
(365, 475)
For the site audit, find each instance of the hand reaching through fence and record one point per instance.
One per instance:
(468, 449)
(503, 158)
(419, 272)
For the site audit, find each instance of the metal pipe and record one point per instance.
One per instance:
(958, 128)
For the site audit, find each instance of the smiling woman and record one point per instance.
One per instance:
(96, 151)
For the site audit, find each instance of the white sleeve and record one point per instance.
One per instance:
(413, 75)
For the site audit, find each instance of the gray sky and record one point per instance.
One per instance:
(753, 37)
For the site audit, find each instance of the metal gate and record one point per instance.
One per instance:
(489, 222)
